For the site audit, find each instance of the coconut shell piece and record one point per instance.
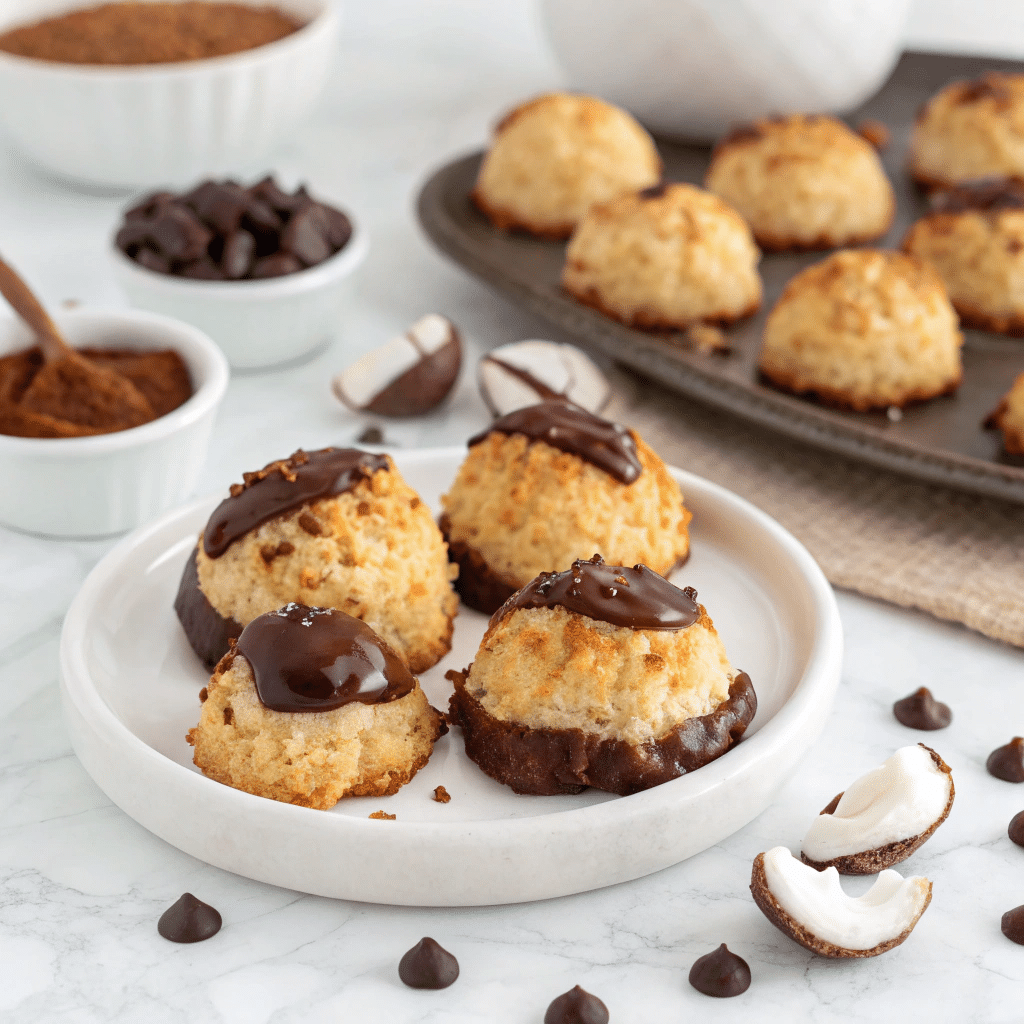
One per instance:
(870, 862)
(773, 910)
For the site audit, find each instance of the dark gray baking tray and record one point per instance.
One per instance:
(942, 441)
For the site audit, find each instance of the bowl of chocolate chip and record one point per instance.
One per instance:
(264, 271)
(101, 435)
(133, 95)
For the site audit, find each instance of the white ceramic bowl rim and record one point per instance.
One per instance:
(190, 343)
(822, 664)
(325, 21)
(341, 264)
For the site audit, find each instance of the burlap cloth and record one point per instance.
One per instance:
(959, 556)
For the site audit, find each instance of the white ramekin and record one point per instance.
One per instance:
(163, 124)
(693, 68)
(257, 324)
(98, 486)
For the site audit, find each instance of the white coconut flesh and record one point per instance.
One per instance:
(898, 800)
(816, 901)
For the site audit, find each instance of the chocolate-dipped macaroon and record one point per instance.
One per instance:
(551, 483)
(310, 705)
(336, 528)
(599, 676)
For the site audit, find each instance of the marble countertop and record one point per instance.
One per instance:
(83, 884)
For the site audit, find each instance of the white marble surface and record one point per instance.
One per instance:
(83, 885)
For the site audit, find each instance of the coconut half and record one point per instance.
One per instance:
(812, 909)
(884, 816)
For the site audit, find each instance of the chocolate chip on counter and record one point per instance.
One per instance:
(428, 965)
(922, 711)
(189, 920)
(1013, 925)
(721, 974)
(576, 1007)
(1007, 763)
(371, 435)
(1016, 829)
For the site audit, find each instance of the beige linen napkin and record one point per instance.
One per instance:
(959, 556)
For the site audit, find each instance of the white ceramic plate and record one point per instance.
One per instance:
(130, 687)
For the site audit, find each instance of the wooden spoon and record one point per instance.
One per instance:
(68, 387)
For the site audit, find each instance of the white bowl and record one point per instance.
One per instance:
(256, 323)
(693, 68)
(163, 124)
(97, 486)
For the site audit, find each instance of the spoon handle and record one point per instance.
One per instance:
(29, 308)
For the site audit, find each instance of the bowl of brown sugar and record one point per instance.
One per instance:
(137, 94)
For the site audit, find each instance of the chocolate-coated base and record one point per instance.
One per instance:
(206, 629)
(545, 762)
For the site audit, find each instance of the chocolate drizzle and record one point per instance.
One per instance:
(721, 974)
(637, 598)
(284, 485)
(543, 391)
(986, 195)
(318, 659)
(567, 427)
(208, 632)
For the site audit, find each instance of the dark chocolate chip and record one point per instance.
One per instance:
(149, 207)
(721, 974)
(132, 236)
(304, 238)
(276, 265)
(1013, 925)
(576, 1007)
(339, 227)
(145, 257)
(239, 250)
(260, 218)
(189, 920)
(371, 435)
(1016, 829)
(277, 199)
(202, 269)
(922, 711)
(178, 234)
(221, 205)
(1007, 763)
(428, 965)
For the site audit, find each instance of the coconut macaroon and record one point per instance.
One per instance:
(1008, 417)
(884, 816)
(663, 259)
(811, 908)
(548, 484)
(975, 240)
(864, 329)
(309, 706)
(970, 129)
(555, 156)
(338, 528)
(803, 182)
(600, 676)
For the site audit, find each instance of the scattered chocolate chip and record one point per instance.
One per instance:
(189, 920)
(371, 435)
(441, 795)
(922, 711)
(721, 974)
(383, 816)
(1007, 763)
(428, 965)
(1016, 829)
(576, 1007)
(409, 375)
(1013, 925)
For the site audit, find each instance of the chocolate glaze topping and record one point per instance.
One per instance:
(576, 1007)
(985, 194)
(284, 485)
(428, 965)
(922, 711)
(565, 426)
(721, 974)
(638, 598)
(1007, 763)
(189, 920)
(1016, 829)
(1013, 925)
(208, 632)
(319, 659)
(535, 383)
